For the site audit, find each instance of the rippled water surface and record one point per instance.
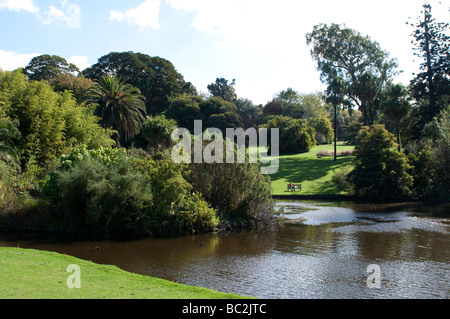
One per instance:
(323, 251)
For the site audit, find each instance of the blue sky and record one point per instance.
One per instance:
(260, 43)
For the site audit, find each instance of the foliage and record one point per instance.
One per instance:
(220, 114)
(431, 86)
(295, 135)
(78, 85)
(430, 158)
(222, 89)
(48, 123)
(239, 192)
(120, 106)
(302, 106)
(395, 104)
(381, 171)
(155, 77)
(252, 115)
(47, 67)
(194, 215)
(101, 200)
(185, 109)
(324, 130)
(340, 178)
(157, 132)
(356, 60)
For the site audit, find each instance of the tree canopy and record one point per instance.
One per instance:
(47, 67)
(361, 64)
(156, 78)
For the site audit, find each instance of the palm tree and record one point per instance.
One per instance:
(121, 106)
(396, 107)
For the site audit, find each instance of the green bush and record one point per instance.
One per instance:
(295, 134)
(101, 200)
(194, 215)
(381, 172)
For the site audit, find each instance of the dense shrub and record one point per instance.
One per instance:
(295, 134)
(381, 171)
(240, 193)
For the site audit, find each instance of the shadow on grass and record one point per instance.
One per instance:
(309, 171)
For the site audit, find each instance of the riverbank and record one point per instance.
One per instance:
(35, 274)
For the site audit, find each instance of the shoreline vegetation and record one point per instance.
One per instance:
(33, 274)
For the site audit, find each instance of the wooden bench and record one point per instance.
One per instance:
(294, 187)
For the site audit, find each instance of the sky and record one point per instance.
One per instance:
(259, 43)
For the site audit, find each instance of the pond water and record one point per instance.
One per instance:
(323, 252)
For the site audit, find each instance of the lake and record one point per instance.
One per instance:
(322, 252)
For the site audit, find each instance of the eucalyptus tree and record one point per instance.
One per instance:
(120, 106)
(356, 59)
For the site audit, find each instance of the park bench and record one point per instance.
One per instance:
(294, 187)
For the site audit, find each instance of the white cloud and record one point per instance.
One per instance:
(10, 61)
(82, 62)
(146, 15)
(19, 5)
(69, 14)
(275, 32)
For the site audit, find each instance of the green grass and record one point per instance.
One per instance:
(313, 173)
(33, 274)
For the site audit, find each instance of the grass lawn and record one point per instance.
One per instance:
(33, 274)
(313, 173)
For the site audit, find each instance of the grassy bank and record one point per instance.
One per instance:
(33, 274)
(313, 173)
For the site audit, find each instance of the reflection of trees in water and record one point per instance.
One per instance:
(407, 245)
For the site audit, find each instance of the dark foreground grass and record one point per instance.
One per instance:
(313, 173)
(33, 274)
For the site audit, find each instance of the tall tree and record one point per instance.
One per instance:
(121, 106)
(222, 89)
(431, 87)
(336, 96)
(47, 67)
(395, 106)
(356, 59)
(155, 77)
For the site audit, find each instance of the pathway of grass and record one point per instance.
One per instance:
(33, 274)
(313, 173)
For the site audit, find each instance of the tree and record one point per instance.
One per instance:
(251, 114)
(430, 87)
(185, 109)
(157, 132)
(222, 89)
(155, 77)
(336, 96)
(396, 106)
(220, 114)
(47, 67)
(120, 106)
(295, 134)
(356, 59)
(78, 85)
(381, 171)
(5, 149)
(46, 124)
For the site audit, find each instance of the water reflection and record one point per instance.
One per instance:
(322, 252)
